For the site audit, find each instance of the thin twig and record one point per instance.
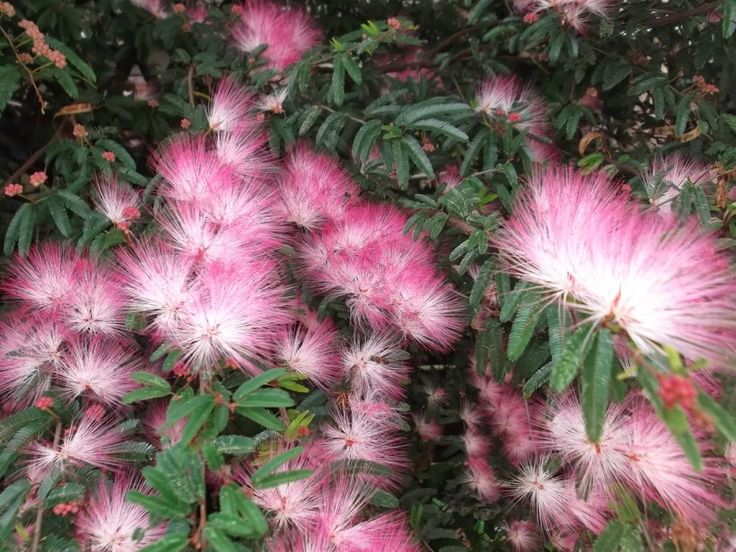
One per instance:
(190, 85)
(25, 67)
(39, 514)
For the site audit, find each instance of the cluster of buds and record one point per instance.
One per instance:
(37, 178)
(80, 131)
(66, 508)
(7, 9)
(40, 47)
(674, 389)
(704, 87)
(12, 189)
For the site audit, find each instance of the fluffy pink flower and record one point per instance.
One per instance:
(388, 278)
(312, 351)
(522, 535)
(668, 175)
(30, 351)
(234, 313)
(97, 306)
(108, 522)
(356, 434)
(157, 281)
(597, 464)
(45, 279)
(117, 201)
(428, 430)
(154, 7)
(244, 154)
(387, 532)
(506, 100)
(482, 480)
(476, 444)
(575, 13)
(376, 365)
(314, 188)
(99, 368)
(286, 33)
(93, 442)
(231, 109)
(576, 238)
(659, 470)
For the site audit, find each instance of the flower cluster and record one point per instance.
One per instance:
(574, 13)
(40, 47)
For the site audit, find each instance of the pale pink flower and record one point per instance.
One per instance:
(666, 177)
(30, 351)
(117, 201)
(231, 109)
(244, 153)
(312, 351)
(234, 313)
(292, 506)
(428, 430)
(314, 188)
(481, 479)
(376, 365)
(108, 522)
(505, 99)
(576, 13)
(154, 7)
(98, 368)
(93, 442)
(547, 494)
(589, 248)
(274, 102)
(46, 278)
(286, 33)
(597, 464)
(659, 470)
(450, 177)
(359, 435)
(97, 306)
(387, 532)
(157, 281)
(341, 503)
(476, 444)
(522, 535)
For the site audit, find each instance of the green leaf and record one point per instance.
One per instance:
(257, 381)
(572, 355)
(58, 213)
(382, 499)
(75, 204)
(9, 83)
(337, 87)
(310, 118)
(523, 327)
(13, 231)
(722, 419)
(615, 76)
(197, 418)
(477, 11)
(266, 398)
(609, 539)
(151, 380)
(281, 478)
(218, 540)
(364, 139)
(171, 359)
(74, 60)
(261, 416)
(490, 348)
(536, 381)
(480, 285)
(160, 352)
(401, 164)
(352, 68)
(173, 542)
(441, 127)
(121, 154)
(729, 18)
(180, 408)
(676, 420)
(424, 110)
(65, 80)
(473, 149)
(25, 230)
(682, 114)
(511, 301)
(417, 154)
(11, 500)
(144, 394)
(596, 383)
(237, 445)
(268, 468)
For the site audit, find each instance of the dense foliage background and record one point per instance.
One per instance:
(393, 90)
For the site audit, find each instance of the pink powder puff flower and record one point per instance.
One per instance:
(376, 365)
(233, 314)
(547, 494)
(98, 368)
(154, 7)
(358, 435)
(597, 464)
(98, 305)
(109, 522)
(117, 201)
(576, 13)
(244, 154)
(292, 506)
(428, 430)
(341, 501)
(274, 102)
(286, 33)
(666, 177)
(154, 418)
(450, 177)
(476, 444)
(30, 352)
(312, 351)
(156, 280)
(93, 442)
(314, 188)
(231, 109)
(589, 248)
(659, 470)
(45, 279)
(471, 416)
(505, 99)
(191, 171)
(387, 532)
(522, 535)
(481, 479)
